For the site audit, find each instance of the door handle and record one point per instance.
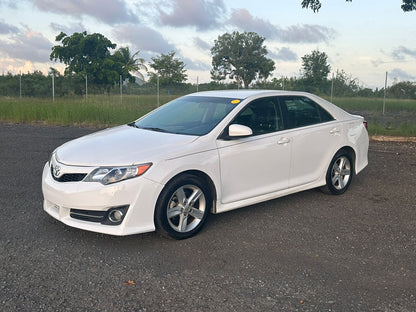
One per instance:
(335, 131)
(283, 141)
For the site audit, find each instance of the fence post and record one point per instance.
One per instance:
(121, 91)
(53, 87)
(158, 97)
(86, 87)
(385, 91)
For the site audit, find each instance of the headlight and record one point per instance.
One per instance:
(108, 175)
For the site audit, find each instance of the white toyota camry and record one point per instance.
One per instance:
(203, 153)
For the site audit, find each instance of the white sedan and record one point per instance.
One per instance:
(203, 153)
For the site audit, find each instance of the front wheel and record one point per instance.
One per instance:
(339, 174)
(183, 207)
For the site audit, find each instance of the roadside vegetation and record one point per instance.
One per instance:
(95, 111)
(110, 110)
(103, 85)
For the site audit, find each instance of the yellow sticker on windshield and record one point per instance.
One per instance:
(235, 101)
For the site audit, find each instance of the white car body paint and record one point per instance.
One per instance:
(243, 171)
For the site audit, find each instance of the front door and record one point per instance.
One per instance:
(259, 164)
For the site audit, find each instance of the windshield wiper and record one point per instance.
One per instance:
(153, 129)
(132, 124)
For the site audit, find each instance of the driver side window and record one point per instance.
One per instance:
(262, 116)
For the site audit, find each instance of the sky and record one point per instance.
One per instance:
(364, 38)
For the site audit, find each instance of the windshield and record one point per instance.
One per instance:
(191, 115)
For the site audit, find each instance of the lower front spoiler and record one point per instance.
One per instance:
(63, 214)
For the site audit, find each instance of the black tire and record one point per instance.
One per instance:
(183, 207)
(339, 174)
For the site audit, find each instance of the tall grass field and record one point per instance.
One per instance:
(399, 118)
(96, 111)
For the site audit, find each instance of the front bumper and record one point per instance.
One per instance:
(139, 194)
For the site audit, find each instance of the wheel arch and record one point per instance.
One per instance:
(351, 153)
(206, 179)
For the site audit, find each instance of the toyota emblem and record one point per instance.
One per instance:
(56, 171)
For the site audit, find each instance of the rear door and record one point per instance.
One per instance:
(314, 136)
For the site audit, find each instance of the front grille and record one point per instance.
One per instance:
(88, 215)
(69, 177)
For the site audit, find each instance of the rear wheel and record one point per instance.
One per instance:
(183, 207)
(339, 174)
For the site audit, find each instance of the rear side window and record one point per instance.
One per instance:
(302, 111)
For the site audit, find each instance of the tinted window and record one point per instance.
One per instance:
(262, 116)
(302, 111)
(193, 115)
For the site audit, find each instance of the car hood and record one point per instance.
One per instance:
(121, 146)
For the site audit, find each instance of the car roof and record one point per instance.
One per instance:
(245, 93)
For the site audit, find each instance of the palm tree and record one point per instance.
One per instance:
(131, 66)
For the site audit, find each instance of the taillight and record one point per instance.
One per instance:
(365, 124)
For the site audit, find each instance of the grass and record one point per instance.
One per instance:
(103, 111)
(375, 104)
(98, 111)
(399, 118)
(405, 129)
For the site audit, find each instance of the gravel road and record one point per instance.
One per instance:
(304, 252)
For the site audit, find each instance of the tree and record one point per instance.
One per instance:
(315, 69)
(169, 69)
(408, 5)
(403, 90)
(315, 5)
(86, 55)
(344, 84)
(53, 72)
(130, 66)
(241, 56)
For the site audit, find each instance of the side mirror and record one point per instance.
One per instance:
(236, 130)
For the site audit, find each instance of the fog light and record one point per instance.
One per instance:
(115, 215)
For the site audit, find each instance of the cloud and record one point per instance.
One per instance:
(244, 20)
(377, 62)
(203, 14)
(143, 38)
(7, 28)
(294, 34)
(400, 74)
(108, 11)
(195, 65)
(401, 52)
(9, 3)
(73, 28)
(30, 46)
(306, 34)
(284, 54)
(201, 44)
